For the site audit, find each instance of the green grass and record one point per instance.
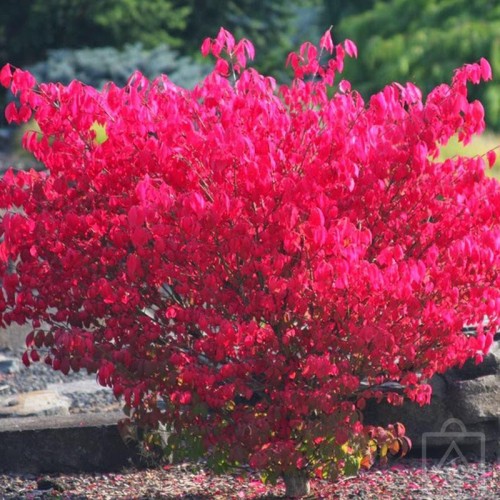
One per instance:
(478, 146)
(98, 128)
(100, 132)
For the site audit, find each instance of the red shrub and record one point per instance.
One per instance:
(246, 264)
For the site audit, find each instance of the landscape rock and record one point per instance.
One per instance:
(417, 419)
(470, 370)
(475, 400)
(88, 443)
(47, 483)
(35, 403)
(464, 412)
(9, 365)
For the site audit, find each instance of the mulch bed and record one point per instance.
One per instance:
(407, 479)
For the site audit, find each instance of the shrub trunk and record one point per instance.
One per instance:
(297, 484)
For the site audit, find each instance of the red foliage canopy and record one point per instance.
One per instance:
(258, 260)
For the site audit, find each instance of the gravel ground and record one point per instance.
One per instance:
(38, 376)
(407, 479)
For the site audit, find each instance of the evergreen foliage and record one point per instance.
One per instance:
(274, 26)
(422, 41)
(28, 28)
(97, 66)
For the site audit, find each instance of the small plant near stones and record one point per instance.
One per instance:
(246, 264)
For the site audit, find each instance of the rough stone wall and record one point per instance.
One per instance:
(465, 409)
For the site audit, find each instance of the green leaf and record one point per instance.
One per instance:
(200, 409)
(352, 465)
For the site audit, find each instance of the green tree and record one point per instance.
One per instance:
(335, 10)
(273, 26)
(28, 28)
(100, 65)
(423, 41)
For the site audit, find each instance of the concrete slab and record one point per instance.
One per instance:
(89, 386)
(34, 403)
(13, 336)
(86, 443)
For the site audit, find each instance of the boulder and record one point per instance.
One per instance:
(417, 419)
(464, 412)
(470, 370)
(476, 400)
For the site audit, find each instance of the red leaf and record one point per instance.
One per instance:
(4, 257)
(11, 113)
(249, 49)
(486, 72)
(197, 203)
(492, 157)
(350, 48)
(171, 313)
(341, 435)
(24, 113)
(206, 46)
(5, 76)
(222, 67)
(136, 216)
(134, 267)
(26, 359)
(316, 217)
(30, 339)
(326, 42)
(344, 86)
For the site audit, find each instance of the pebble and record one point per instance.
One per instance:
(46, 483)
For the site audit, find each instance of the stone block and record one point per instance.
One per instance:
(474, 405)
(13, 336)
(416, 419)
(35, 403)
(489, 366)
(86, 443)
(476, 400)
